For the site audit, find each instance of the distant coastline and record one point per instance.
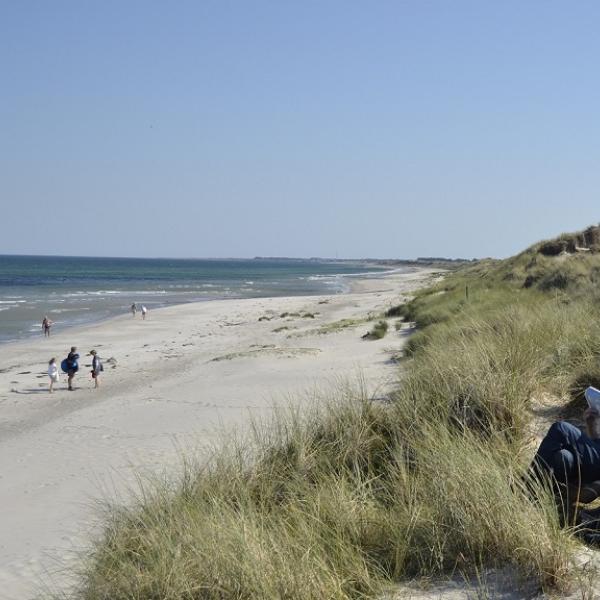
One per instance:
(419, 261)
(83, 290)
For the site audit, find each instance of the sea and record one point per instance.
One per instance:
(82, 290)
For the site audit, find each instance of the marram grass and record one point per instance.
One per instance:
(336, 506)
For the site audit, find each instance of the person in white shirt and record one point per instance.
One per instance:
(144, 311)
(53, 373)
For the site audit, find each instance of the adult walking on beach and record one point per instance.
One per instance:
(144, 311)
(97, 368)
(133, 309)
(46, 324)
(72, 366)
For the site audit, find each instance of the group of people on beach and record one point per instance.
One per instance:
(143, 310)
(70, 365)
(47, 322)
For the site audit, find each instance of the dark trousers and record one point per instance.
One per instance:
(568, 454)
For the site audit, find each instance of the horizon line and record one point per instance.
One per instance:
(254, 258)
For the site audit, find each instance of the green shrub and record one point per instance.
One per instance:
(378, 331)
(397, 311)
(416, 341)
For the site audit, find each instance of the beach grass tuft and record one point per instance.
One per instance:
(334, 504)
(378, 331)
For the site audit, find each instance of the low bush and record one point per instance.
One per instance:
(397, 311)
(378, 331)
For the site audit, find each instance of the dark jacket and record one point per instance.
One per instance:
(72, 363)
(96, 365)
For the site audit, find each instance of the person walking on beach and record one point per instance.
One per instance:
(53, 373)
(144, 311)
(46, 324)
(133, 309)
(97, 368)
(72, 366)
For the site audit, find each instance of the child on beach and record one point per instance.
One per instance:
(53, 373)
(144, 311)
(133, 309)
(97, 368)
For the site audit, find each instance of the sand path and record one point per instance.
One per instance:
(180, 378)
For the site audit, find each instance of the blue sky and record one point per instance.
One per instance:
(382, 129)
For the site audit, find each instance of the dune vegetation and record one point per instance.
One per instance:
(344, 501)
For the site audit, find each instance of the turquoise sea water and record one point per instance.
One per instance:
(79, 290)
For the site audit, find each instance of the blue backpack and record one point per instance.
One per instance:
(70, 365)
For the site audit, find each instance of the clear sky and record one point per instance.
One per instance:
(306, 128)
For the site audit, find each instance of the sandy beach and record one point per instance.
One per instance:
(172, 383)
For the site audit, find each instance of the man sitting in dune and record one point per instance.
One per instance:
(572, 460)
(569, 455)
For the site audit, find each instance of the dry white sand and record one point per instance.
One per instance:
(181, 376)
